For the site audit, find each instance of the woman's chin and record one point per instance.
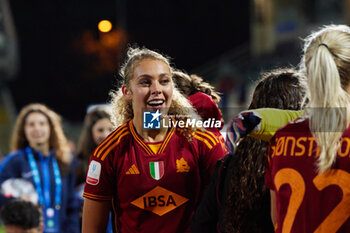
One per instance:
(155, 108)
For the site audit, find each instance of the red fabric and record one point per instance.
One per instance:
(208, 109)
(292, 163)
(187, 168)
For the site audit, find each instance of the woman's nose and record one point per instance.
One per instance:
(36, 127)
(155, 88)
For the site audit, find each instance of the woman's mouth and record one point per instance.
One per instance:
(155, 104)
(37, 137)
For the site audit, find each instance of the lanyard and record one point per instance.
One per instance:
(36, 176)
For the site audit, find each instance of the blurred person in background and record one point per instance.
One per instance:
(237, 199)
(97, 126)
(41, 156)
(153, 177)
(203, 97)
(21, 216)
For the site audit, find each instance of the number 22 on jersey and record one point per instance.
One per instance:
(336, 218)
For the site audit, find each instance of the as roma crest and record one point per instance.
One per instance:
(156, 169)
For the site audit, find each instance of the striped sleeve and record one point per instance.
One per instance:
(100, 179)
(210, 151)
(206, 137)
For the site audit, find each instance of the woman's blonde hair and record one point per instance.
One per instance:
(326, 63)
(57, 141)
(134, 56)
(122, 110)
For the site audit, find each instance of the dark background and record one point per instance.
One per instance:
(64, 65)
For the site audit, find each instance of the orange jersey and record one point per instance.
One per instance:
(152, 191)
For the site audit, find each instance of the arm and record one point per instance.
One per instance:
(271, 120)
(98, 194)
(258, 123)
(95, 216)
(273, 208)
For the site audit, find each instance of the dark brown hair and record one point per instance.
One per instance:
(86, 144)
(247, 206)
(21, 213)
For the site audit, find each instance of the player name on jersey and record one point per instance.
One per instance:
(296, 146)
(159, 201)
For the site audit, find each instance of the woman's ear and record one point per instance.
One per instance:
(126, 93)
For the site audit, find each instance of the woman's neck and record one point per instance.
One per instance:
(44, 149)
(150, 135)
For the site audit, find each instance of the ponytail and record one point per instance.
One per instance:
(328, 99)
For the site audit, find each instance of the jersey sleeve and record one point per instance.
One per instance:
(99, 182)
(271, 120)
(210, 151)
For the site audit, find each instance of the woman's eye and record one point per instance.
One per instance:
(165, 81)
(145, 82)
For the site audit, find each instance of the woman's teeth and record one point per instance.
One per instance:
(156, 102)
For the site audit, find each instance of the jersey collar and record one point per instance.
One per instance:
(145, 146)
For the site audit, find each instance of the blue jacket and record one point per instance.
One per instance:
(16, 165)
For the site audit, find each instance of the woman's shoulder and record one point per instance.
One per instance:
(119, 137)
(205, 138)
(299, 125)
(13, 160)
(118, 133)
(18, 155)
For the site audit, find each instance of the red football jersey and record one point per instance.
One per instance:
(208, 109)
(152, 192)
(307, 201)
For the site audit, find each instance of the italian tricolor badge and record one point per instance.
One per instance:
(156, 169)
